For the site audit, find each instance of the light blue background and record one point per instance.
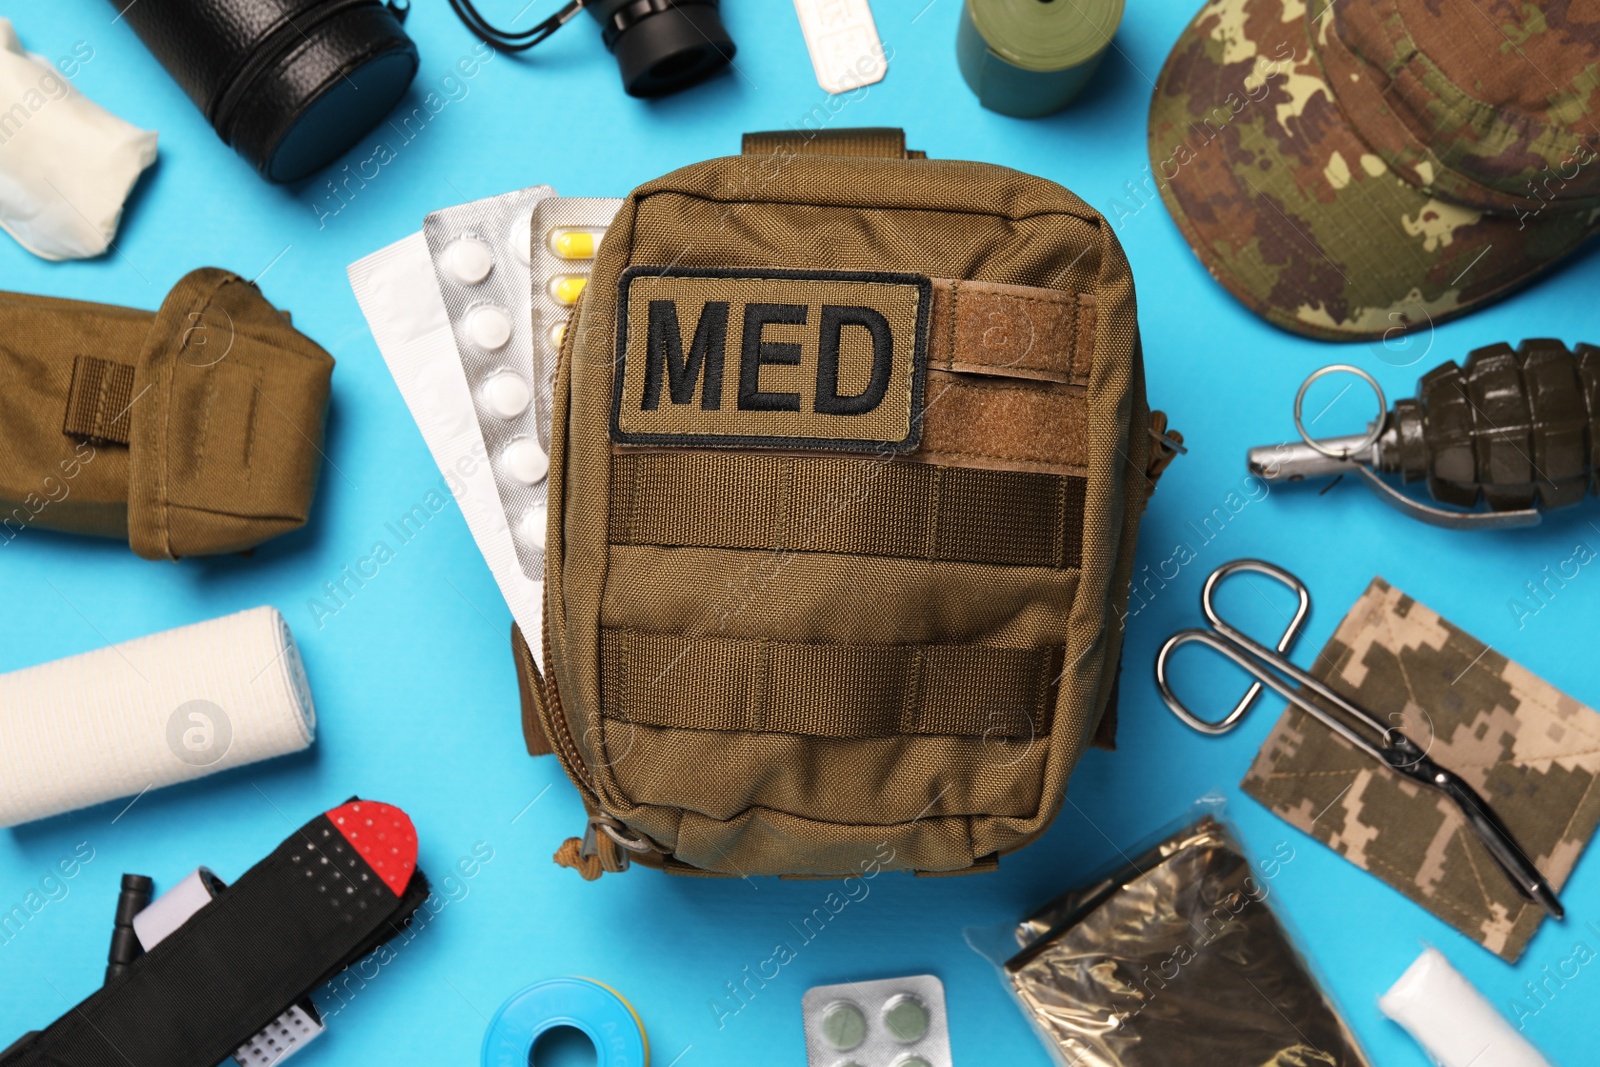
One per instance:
(413, 682)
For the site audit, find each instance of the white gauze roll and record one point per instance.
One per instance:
(1451, 1020)
(66, 163)
(151, 712)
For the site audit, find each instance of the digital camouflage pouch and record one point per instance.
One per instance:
(1533, 753)
(192, 430)
(848, 457)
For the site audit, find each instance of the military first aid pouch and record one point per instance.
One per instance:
(848, 455)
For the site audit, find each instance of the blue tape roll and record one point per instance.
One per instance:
(595, 1009)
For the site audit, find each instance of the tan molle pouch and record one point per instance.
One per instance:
(848, 456)
(192, 430)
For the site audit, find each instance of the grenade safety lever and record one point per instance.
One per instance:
(1518, 430)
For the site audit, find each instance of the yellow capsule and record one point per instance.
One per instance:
(558, 333)
(572, 244)
(566, 288)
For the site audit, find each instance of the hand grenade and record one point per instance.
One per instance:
(1517, 429)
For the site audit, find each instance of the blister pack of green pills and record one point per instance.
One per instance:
(893, 1022)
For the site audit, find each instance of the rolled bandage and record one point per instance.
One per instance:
(1025, 58)
(151, 712)
(67, 164)
(1451, 1020)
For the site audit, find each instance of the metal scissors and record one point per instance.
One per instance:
(1384, 743)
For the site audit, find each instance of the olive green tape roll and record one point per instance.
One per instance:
(1028, 58)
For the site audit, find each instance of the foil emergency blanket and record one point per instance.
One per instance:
(1176, 961)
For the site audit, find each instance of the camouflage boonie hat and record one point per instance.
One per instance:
(1349, 170)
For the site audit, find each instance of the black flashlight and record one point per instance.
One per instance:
(661, 45)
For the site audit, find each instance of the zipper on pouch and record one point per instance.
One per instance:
(559, 729)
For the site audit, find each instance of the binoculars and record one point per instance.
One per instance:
(661, 45)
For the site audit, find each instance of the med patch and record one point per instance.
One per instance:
(770, 359)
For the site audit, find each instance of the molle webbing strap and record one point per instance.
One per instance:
(317, 903)
(865, 506)
(827, 690)
(1018, 331)
(98, 401)
(884, 142)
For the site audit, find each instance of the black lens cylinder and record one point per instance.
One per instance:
(664, 45)
(289, 84)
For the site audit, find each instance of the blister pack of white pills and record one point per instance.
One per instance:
(482, 258)
(893, 1022)
(566, 235)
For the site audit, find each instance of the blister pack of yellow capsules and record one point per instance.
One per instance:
(566, 235)
(482, 256)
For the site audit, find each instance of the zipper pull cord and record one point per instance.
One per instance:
(605, 847)
(570, 854)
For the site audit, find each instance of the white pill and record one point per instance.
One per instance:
(533, 524)
(521, 237)
(489, 327)
(507, 394)
(469, 259)
(525, 461)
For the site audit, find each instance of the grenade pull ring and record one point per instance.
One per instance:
(1341, 449)
(1500, 437)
